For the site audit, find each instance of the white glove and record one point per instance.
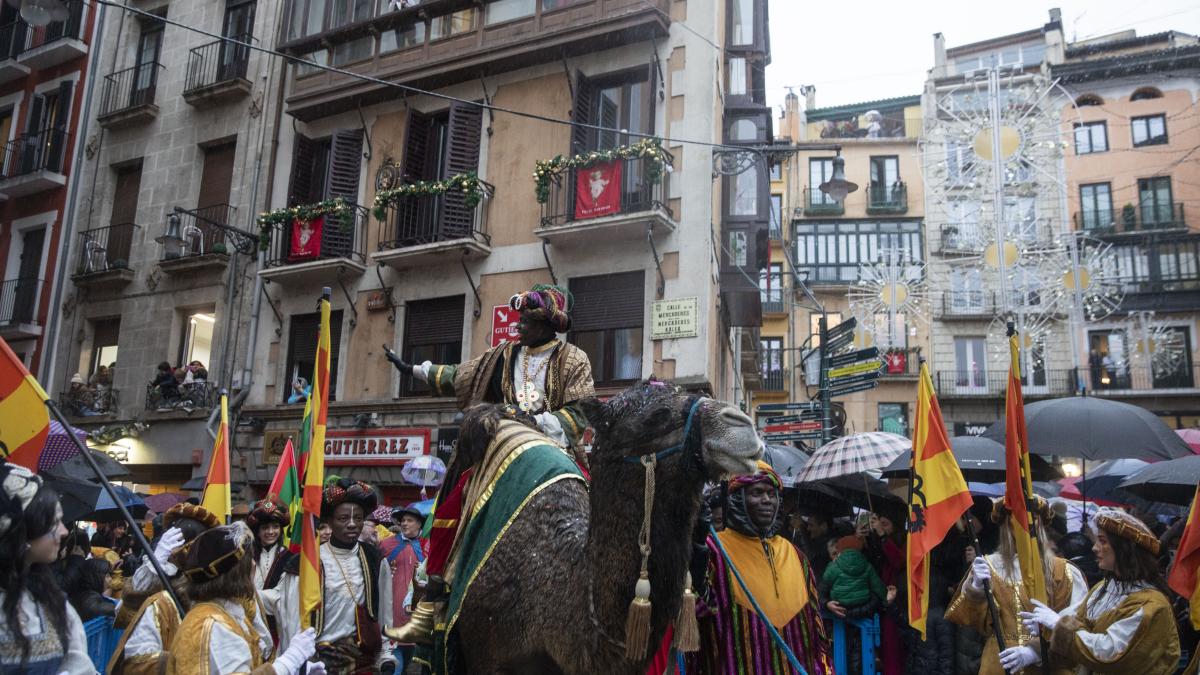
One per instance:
(1040, 616)
(421, 371)
(171, 540)
(316, 668)
(980, 573)
(302, 646)
(1016, 658)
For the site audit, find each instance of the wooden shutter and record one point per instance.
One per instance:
(435, 321)
(608, 301)
(416, 147)
(57, 141)
(462, 156)
(105, 332)
(300, 182)
(411, 223)
(345, 165)
(583, 138)
(125, 195)
(216, 178)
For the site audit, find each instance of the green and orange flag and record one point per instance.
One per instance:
(937, 496)
(1184, 578)
(1018, 490)
(312, 451)
(24, 420)
(286, 486)
(218, 497)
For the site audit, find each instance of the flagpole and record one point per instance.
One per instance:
(112, 494)
(993, 610)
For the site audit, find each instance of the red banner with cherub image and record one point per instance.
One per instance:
(598, 190)
(306, 239)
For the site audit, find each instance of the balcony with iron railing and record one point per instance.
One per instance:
(18, 308)
(216, 72)
(103, 255)
(900, 364)
(969, 305)
(884, 200)
(57, 42)
(33, 163)
(1144, 218)
(436, 43)
(573, 218)
(1132, 380)
(89, 401)
(981, 383)
(772, 301)
(12, 42)
(1142, 378)
(200, 243)
(128, 96)
(817, 203)
(971, 238)
(340, 250)
(418, 230)
(185, 397)
(772, 379)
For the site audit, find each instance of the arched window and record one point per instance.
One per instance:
(1145, 93)
(1089, 99)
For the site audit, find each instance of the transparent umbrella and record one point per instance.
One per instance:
(427, 471)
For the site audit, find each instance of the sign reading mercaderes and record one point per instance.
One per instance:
(391, 447)
(670, 319)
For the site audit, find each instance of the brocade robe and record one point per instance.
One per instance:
(1118, 628)
(216, 638)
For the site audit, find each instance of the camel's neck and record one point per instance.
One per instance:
(617, 500)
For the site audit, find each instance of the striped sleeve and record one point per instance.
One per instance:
(441, 379)
(573, 422)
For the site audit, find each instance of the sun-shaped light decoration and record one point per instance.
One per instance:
(1099, 279)
(1154, 344)
(889, 293)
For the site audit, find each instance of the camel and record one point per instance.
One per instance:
(554, 595)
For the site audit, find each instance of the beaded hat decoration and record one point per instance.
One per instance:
(18, 487)
(1118, 523)
(339, 491)
(217, 551)
(546, 302)
(269, 510)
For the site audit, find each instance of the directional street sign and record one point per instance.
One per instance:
(794, 427)
(855, 369)
(860, 355)
(842, 328)
(855, 379)
(786, 407)
(787, 419)
(810, 436)
(865, 386)
(837, 342)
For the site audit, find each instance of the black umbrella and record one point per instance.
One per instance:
(76, 468)
(786, 460)
(859, 490)
(1096, 429)
(981, 460)
(1173, 482)
(89, 501)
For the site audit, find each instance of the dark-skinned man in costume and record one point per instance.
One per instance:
(541, 377)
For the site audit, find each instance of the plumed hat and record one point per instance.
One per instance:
(217, 551)
(269, 510)
(18, 487)
(1120, 524)
(341, 490)
(548, 303)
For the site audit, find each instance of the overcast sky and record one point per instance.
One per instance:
(878, 49)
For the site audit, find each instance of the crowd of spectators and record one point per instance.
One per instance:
(185, 387)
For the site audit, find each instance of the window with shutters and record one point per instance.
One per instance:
(432, 332)
(45, 142)
(104, 343)
(607, 322)
(325, 168)
(303, 335)
(437, 146)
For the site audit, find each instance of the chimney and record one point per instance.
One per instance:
(939, 56)
(1052, 33)
(1056, 16)
(810, 96)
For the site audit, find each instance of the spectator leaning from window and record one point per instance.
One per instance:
(80, 398)
(39, 630)
(165, 383)
(301, 390)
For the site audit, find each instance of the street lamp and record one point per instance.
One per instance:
(837, 186)
(171, 241)
(41, 12)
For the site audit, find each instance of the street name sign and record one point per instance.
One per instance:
(859, 355)
(855, 369)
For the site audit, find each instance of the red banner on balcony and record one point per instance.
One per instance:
(598, 190)
(306, 239)
(897, 363)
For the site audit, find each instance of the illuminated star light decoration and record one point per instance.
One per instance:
(1100, 288)
(889, 294)
(1154, 345)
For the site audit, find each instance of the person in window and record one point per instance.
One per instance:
(165, 385)
(301, 390)
(40, 633)
(541, 376)
(81, 400)
(1125, 623)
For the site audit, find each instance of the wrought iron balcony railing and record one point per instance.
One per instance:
(427, 219)
(337, 241)
(105, 248)
(882, 199)
(818, 203)
(217, 62)
(638, 193)
(1131, 219)
(129, 88)
(18, 300)
(36, 151)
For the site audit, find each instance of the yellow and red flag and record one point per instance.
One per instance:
(1018, 490)
(24, 420)
(938, 496)
(217, 497)
(1184, 578)
(312, 433)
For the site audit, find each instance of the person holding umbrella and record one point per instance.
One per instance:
(1002, 570)
(1125, 623)
(40, 632)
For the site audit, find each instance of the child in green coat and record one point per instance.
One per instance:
(852, 582)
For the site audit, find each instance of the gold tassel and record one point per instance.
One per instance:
(687, 628)
(637, 623)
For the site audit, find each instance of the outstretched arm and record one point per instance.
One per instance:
(439, 377)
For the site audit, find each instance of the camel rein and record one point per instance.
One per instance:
(650, 462)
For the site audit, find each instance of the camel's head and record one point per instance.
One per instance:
(652, 416)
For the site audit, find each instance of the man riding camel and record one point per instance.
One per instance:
(543, 377)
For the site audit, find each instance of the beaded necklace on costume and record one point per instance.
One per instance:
(529, 397)
(346, 577)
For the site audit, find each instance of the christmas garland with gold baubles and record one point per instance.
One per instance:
(650, 149)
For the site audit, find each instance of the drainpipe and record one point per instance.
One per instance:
(47, 365)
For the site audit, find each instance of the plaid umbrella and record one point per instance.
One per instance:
(162, 501)
(853, 454)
